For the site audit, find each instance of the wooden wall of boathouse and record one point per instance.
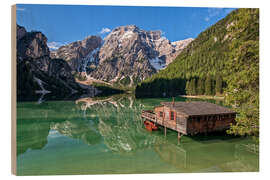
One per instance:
(209, 123)
(178, 122)
(193, 124)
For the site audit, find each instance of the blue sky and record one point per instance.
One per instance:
(63, 24)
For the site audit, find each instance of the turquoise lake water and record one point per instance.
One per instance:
(106, 136)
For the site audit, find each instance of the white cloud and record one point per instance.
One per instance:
(54, 45)
(105, 30)
(20, 9)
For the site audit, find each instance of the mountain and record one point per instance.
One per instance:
(37, 73)
(80, 52)
(201, 68)
(127, 55)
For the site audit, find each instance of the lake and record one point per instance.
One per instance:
(106, 136)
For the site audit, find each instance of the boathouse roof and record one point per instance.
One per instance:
(195, 108)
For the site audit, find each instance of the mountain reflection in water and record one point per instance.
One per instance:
(98, 133)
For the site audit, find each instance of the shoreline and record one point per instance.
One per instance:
(202, 97)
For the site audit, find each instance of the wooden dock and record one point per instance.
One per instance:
(151, 116)
(189, 117)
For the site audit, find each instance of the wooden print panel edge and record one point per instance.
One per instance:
(13, 90)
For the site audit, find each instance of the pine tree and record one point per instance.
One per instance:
(188, 88)
(200, 86)
(208, 85)
(193, 86)
(218, 84)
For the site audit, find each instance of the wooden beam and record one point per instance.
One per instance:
(165, 131)
(179, 135)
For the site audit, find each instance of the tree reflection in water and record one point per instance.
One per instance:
(115, 121)
(120, 122)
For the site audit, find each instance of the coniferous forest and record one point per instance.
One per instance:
(222, 60)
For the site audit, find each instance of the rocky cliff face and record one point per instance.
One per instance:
(33, 45)
(178, 47)
(80, 54)
(20, 32)
(127, 56)
(37, 73)
(124, 56)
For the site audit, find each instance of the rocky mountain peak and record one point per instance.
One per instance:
(20, 32)
(127, 40)
(76, 53)
(177, 48)
(126, 28)
(31, 44)
(179, 45)
(37, 73)
(91, 42)
(127, 54)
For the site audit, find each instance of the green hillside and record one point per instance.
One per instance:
(200, 69)
(222, 60)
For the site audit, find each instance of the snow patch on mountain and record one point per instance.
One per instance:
(90, 58)
(157, 63)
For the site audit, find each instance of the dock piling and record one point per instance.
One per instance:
(179, 135)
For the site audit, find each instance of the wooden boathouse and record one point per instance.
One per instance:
(189, 117)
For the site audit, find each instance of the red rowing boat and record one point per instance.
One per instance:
(150, 126)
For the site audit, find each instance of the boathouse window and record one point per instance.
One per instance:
(172, 115)
(160, 114)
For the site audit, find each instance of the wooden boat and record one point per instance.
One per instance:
(150, 126)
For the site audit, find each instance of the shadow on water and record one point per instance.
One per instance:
(40, 98)
(207, 138)
(99, 90)
(106, 135)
